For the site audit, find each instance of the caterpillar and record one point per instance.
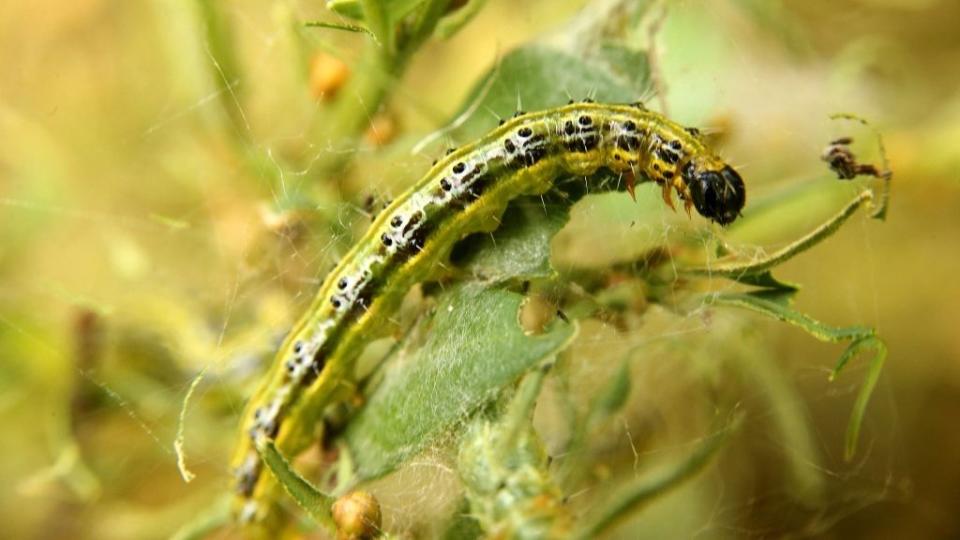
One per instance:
(464, 192)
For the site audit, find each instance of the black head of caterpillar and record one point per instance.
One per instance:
(677, 158)
(716, 189)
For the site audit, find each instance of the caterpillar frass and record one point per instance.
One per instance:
(464, 192)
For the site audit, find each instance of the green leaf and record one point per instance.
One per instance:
(630, 65)
(521, 247)
(866, 389)
(782, 312)
(475, 348)
(337, 26)
(394, 9)
(766, 280)
(781, 295)
(537, 77)
(347, 8)
(316, 503)
(458, 18)
(860, 337)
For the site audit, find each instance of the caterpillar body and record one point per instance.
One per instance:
(464, 192)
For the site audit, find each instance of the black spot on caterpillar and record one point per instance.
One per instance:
(414, 235)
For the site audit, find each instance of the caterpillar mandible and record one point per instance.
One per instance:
(413, 236)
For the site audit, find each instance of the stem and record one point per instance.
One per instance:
(423, 26)
(649, 490)
(227, 76)
(736, 270)
(378, 21)
(517, 419)
(381, 65)
(313, 501)
(226, 71)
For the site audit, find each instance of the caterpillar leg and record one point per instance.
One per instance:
(684, 195)
(667, 191)
(631, 178)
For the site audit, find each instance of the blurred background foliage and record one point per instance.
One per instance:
(171, 194)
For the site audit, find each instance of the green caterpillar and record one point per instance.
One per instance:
(464, 192)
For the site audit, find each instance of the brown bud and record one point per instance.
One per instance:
(327, 75)
(357, 516)
(382, 130)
